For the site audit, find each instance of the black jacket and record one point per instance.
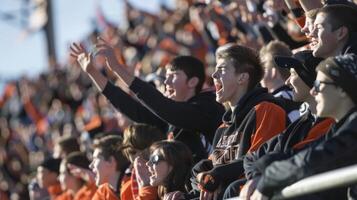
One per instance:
(256, 118)
(302, 131)
(335, 150)
(186, 120)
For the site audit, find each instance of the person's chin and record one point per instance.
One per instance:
(320, 112)
(153, 182)
(98, 182)
(220, 98)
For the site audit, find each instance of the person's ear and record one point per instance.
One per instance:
(342, 93)
(243, 77)
(342, 33)
(192, 83)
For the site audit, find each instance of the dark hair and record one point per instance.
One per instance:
(244, 60)
(110, 146)
(52, 164)
(140, 137)
(192, 67)
(76, 158)
(276, 48)
(179, 156)
(341, 15)
(68, 144)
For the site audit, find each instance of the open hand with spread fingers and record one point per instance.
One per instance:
(106, 50)
(83, 58)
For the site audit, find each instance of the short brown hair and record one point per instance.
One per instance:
(341, 15)
(276, 48)
(140, 137)
(192, 67)
(111, 146)
(244, 60)
(68, 144)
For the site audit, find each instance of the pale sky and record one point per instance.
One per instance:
(72, 22)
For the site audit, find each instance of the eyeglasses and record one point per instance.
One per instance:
(317, 84)
(155, 159)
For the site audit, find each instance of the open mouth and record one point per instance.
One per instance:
(152, 175)
(219, 87)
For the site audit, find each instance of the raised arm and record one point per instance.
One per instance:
(120, 99)
(189, 115)
(85, 60)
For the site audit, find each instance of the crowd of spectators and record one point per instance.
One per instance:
(209, 100)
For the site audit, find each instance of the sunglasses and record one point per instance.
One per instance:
(155, 159)
(317, 84)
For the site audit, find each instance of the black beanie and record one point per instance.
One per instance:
(343, 71)
(52, 164)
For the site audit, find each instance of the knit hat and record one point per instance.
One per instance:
(343, 71)
(52, 164)
(304, 64)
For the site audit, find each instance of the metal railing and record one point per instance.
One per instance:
(332, 179)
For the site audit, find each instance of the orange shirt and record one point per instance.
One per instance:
(64, 196)
(147, 193)
(105, 192)
(125, 191)
(86, 192)
(54, 191)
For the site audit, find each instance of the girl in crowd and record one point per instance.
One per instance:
(137, 140)
(170, 166)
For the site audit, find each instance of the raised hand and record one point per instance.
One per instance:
(83, 58)
(106, 50)
(120, 70)
(142, 172)
(79, 172)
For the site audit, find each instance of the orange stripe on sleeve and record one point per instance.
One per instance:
(270, 121)
(317, 131)
(301, 21)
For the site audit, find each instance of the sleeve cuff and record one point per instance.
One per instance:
(107, 88)
(136, 85)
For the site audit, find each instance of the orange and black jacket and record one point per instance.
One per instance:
(256, 118)
(303, 131)
(187, 121)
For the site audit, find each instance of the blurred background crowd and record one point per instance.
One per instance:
(35, 112)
